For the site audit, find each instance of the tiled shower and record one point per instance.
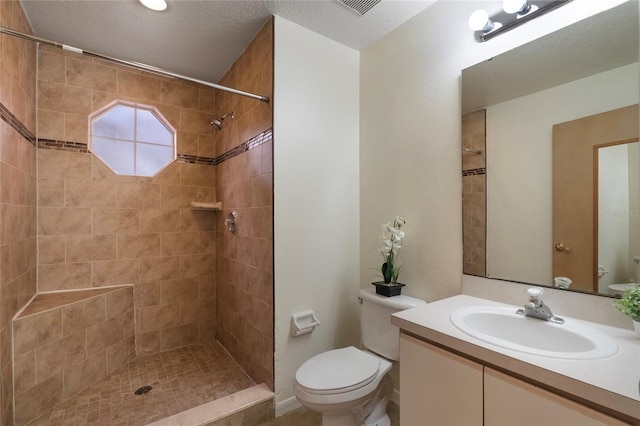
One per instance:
(148, 273)
(474, 221)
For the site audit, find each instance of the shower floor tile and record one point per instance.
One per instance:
(180, 379)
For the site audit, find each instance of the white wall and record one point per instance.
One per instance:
(411, 138)
(519, 168)
(316, 229)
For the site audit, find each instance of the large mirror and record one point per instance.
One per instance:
(551, 181)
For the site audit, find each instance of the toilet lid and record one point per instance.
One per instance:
(339, 370)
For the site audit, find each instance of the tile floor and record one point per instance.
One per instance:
(181, 379)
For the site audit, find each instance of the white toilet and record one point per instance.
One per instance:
(349, 386)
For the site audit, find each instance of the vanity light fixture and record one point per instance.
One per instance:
(157, 5)
(513, 14)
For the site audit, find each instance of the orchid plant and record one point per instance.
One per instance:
(392, 235)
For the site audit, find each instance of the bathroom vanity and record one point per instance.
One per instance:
(448, 376)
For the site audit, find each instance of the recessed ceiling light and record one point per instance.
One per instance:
(155, 4)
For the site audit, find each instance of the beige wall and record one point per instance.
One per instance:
(17, 187)
(244, 269)
(99, 229)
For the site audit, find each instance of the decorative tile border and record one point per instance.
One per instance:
(254, 142)
(475, 172)
(16, 124)
(62, 145)
(194, 159)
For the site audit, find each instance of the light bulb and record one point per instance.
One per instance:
(157, 5)
(516, 6)
(479, 21)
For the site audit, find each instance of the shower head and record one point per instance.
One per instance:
(217, 123)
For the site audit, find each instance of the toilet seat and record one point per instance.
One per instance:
(337, 371)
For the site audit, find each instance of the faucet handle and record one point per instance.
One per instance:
(535, 295)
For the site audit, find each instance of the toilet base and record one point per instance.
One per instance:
(378, 414)
(384, 421)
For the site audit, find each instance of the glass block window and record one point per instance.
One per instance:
(132, 139)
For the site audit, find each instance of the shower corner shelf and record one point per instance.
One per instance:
(200, 205)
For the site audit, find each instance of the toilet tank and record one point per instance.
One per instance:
(378, 335)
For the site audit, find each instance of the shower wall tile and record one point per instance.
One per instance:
(90, 75)
(133, 246)
(75, 128)
(180, 95)
(244, 261)
(51, 192)
(160, 220)
(64, 221)
(18, 196)
(25, 371)
(63, 98)
(159, 269)
(63, 165)
(38, 399)
(79, 376)
(138, 195)
(63, 276)
(115, 221)
(51, 68)
(176, 337)
(158, 317)
(83, 314)
(177, 243)
(188, 143)
(84, 248)
(35, 331)
(104, 334)
(175, 197)
(114, 272)
(120, 354)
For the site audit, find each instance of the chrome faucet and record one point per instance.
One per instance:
(535, 307)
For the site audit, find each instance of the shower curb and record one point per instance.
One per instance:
(209, 413)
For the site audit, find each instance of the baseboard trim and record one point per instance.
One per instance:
(290, 404)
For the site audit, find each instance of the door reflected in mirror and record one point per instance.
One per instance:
(578, 197)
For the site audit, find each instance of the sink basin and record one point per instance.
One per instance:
(501, 326)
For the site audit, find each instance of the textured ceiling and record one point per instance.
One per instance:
(201, 39)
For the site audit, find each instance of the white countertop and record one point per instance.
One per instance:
(609, 383)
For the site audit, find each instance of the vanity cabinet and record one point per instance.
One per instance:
(441, 388)
(509, 401)
(438, 387)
